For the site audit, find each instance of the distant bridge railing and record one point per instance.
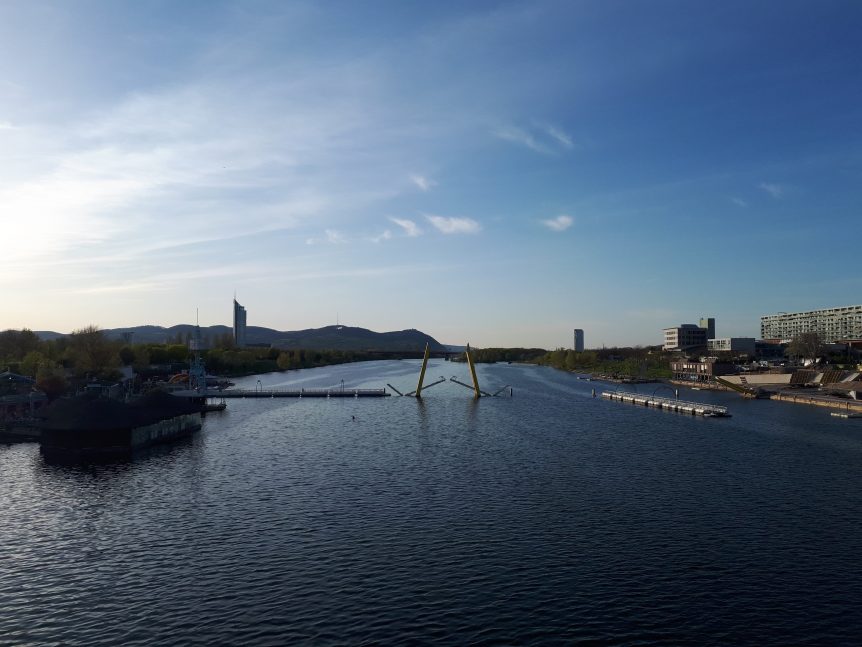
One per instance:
(336, 392)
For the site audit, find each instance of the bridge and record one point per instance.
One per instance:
(199, 392)
(282, 393)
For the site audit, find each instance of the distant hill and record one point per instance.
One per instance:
(328, 337)
(48, 335)
(350, 338)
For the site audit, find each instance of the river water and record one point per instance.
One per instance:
(550, 517)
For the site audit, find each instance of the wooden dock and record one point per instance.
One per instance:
(669, 404)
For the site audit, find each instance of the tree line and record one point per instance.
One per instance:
(491, 355)
(615, 362)
(87, 354)
(619, 362)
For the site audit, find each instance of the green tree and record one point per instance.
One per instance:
(806, 345)
(142, 358)
(51, 382)
(223, 341)
(284, 361)
(91, 352)
(34, 361)
(15, 344)
(127, 355)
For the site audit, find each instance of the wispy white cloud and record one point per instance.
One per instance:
(522, 137)
(424, 183)
(739, 202)
(166, 169)
(560, 223)
(453, 225)
(384, 235)
(541, 138)
(775, 190)
(556, 133)
(410, 228)
(335, 237)
(330, 237)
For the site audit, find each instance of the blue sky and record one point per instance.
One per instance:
(492, 173)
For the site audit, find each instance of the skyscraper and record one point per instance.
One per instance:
(579, 340)
(239, 316)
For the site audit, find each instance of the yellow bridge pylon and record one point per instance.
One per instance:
(477, 392)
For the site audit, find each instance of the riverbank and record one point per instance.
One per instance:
(826, 401)
(819, 401)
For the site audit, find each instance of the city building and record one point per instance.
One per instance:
(732, 344)
(831, 324)
(706, 371)
(684, 336)
(708, 323)
(239, 318)
(687, 336)
(579, 340)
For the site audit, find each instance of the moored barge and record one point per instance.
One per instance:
(95, 426)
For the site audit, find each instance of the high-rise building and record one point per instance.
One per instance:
(708, 323)
(579, 340)
(831, 324)
(239, 318)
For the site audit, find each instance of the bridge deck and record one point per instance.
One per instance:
(285, 393)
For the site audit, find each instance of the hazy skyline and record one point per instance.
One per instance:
(492, 173)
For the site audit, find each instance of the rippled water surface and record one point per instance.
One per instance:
(549, 517)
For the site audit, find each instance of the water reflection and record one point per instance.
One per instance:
(548, 517)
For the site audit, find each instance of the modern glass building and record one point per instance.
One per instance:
(832, 324)
(239, 316)
(684, 336)
(579, 340)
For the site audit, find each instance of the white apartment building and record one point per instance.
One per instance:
(831, 324)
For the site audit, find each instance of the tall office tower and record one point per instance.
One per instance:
(239, 316)
(579, 340)
(708, 324)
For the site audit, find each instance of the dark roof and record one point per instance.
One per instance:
(96, 413)
(8, 376)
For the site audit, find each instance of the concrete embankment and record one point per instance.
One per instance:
(819, 401)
